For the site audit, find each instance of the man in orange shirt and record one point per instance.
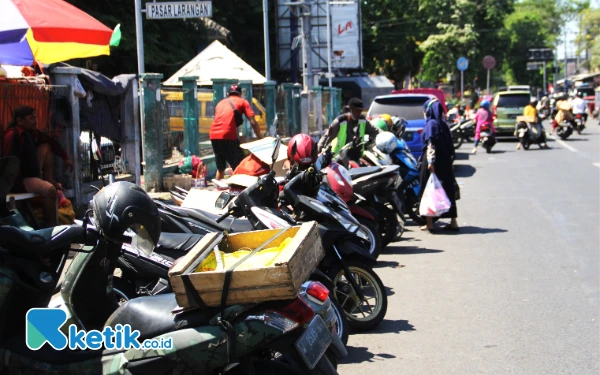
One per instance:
(223, 131)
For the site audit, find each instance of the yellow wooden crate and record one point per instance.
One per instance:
(278, 282)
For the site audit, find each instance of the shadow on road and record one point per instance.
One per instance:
(388, 264)
(389, 291)
(474, 230)
(464, 170)
(410, 250)
(461, 156)
(361, 354)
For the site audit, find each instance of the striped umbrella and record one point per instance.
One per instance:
(50, 31)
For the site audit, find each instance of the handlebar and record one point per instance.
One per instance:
(223, 217)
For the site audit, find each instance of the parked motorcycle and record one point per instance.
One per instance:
(33, 261)
(461, 132)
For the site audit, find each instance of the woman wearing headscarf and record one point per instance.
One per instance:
(438, 154)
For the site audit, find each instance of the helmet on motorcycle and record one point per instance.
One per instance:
(380, 123)
(579, 94)
(533, 101)
(387, 118)
(386, 142)
(301, 149)
(121, 206)
(399, 125)
(484, 104)
(340, 181)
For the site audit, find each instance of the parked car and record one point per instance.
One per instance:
(506, 106)
(408, 106)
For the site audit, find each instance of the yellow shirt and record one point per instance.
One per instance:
(530, 111)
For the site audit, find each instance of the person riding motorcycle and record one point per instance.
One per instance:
(380, 123)
(579, 106)
(483, 117)
(348, 126)
(563, 108)
(529, 111)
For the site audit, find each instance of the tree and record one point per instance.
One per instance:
(389, 38)
(589, 30)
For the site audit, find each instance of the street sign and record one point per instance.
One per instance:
(489, 62)
(177, 10)
(533, 66)
(462, 63)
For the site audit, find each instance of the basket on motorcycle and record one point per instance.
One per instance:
(280, 281)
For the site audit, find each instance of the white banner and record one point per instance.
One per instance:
(187, 9)
(345, 36)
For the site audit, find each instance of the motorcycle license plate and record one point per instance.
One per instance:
(314, 342)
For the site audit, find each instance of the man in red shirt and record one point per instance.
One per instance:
(34, 150)
(223, 131)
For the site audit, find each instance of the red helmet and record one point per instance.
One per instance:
(340, 181)
(301, 149)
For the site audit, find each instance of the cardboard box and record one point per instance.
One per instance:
(263, 149)
(255, 285)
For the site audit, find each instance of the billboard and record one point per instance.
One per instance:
(346, 35)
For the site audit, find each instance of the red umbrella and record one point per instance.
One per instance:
(48, 31)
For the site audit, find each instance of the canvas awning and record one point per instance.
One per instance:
(216, 61)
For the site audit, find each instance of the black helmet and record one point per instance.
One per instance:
(121, 206)
(580, 94)
(235, 89)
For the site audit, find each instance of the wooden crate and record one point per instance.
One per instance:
(252, 285)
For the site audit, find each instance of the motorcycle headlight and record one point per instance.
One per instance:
(349, 225)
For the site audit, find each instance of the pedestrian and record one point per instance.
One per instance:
(346, 127)
(34, 150)
(483, 117)
(223, 131)
(438, 154)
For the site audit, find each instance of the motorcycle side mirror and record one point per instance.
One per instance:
(275, 151)
(223, 200)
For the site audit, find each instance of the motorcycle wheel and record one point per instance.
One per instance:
(362, 314)
(374, 238)
(526, 145)
(412, 205)
(388, 222)
(457, 140)
(343, 328)
(488, 149)
(564, 134)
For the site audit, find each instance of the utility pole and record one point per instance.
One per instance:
(266, 32)
(307, 76)
(139, 36)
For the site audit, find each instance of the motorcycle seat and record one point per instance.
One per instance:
(151, 315)
(40, 241)
(239, 225)
(177, 243)
(363, 171)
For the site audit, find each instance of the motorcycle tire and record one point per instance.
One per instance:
(457, 140)
(526, 145)
(343, 328)
(488, 149)
(373, 289)
(388, 222)
(564, 134)
(375, 240)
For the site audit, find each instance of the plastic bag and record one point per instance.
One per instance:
(434, 202)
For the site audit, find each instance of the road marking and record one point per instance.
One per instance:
(564, 144)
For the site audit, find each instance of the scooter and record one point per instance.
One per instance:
(488, 139)
(531, 133)
(33, 261)
(580, 121)
(357, 287)
(564, 129)
(375, 188)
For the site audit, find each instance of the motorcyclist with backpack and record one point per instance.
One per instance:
(348, 127)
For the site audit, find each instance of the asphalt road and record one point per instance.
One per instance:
(517, 290)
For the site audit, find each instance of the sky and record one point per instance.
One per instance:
(572, 28)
